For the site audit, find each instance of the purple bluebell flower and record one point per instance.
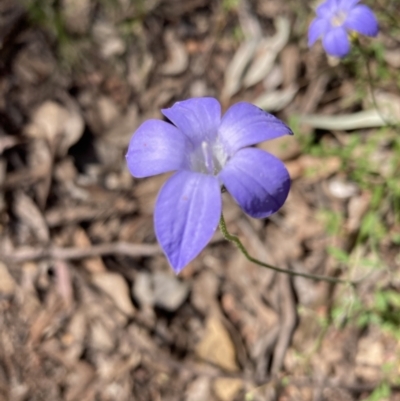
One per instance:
(336, 19)
(207, 152)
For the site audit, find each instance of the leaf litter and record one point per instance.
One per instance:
(89, 308)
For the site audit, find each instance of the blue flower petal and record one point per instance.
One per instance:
(156, 147)
(336, 42)
(258, 181)
(346, 5)
(197, 118)
(245, 124)
(318, 28)
(187, 212)
(362, 20)
(327, 9)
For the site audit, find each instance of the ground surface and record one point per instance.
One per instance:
(90, 310)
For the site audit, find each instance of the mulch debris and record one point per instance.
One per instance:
(89, 308)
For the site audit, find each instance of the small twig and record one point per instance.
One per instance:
(289, 321)
(240, 246)
(118, 248)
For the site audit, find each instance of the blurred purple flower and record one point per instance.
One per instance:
(208, 152)
(336, 19)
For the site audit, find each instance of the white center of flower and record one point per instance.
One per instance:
(208, 158)
(339, 18)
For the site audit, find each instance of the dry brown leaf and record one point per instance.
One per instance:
(227, 388)
(47, 121)
(236, 68)
(266, 53)
(56, 124)
(216, 346)
(108, 111)
(276, 100)
(29, 214)
(100, 337)
(78, 380)
(369, 359)
(7, 282)
(117, 289)
(74, 337)
(178, 59)
(108, 39)
(199, 390)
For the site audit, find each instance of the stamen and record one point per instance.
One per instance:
(208, 157)
(339, 19)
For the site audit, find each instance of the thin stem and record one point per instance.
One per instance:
(240, 246)
(370, 79)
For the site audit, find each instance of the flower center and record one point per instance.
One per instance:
(208, 158)
(339, 18)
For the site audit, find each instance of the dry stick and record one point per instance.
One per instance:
(240, 246)
(75, 253)
(119, 248)
(288, 323)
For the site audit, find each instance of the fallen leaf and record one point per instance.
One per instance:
(100, 338)
(199, 390)
(216, 346)
(226, 388)
(236, 68)
(27, 211)
(178, 58)
(276, 100)
(7, 282)
(369, 359)
(52, 121)
(266, 53)
(117, 289)
(108, 39)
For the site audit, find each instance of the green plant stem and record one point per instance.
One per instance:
(370, 80)
(240, 246)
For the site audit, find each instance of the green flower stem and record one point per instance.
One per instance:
(370, 79)
(240, 246)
